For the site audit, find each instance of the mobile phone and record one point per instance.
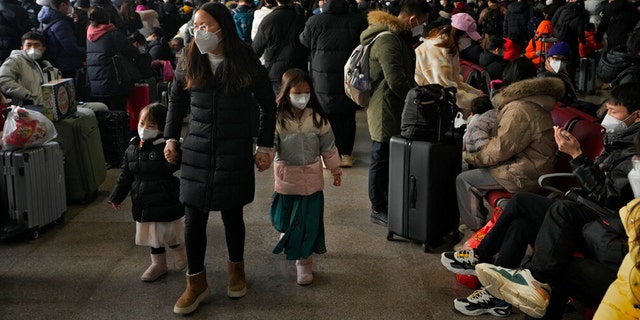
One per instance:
(564, 136)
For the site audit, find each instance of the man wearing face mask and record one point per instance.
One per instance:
(556, 65)
(61, 42)
(24, 71)
(391, 72)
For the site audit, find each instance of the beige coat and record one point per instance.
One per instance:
(624, 292)
(522, 147)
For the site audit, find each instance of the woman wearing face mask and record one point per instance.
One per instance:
(303, 136)
(218, 78)
(556, 66)
(438, 58)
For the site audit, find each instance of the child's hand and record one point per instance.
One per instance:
(262, 161)
(115, 206)
(337, 180)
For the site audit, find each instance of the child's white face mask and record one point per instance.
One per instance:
(299, 101)
(146, 134)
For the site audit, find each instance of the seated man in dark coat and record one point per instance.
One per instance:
(491, 59)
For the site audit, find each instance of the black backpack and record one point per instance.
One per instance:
(493, 22)
(428, 112)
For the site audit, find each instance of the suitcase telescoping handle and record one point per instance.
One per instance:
(412, 192)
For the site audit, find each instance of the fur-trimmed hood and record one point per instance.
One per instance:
(380, 21)
(542, 91)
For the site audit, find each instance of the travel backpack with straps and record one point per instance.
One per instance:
(356, 73)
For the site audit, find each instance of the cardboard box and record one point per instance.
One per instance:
(59, 99)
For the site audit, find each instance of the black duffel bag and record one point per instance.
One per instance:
(428, 112)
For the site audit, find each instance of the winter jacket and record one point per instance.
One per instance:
(159, 50)
(131, 26)
(391, 70)
(523, 146)
(299, 145)
(618, 20)
(258, 15)
(436, 65)
(103, 42)
(512, 50)
(605, 180)
(21, 77)
(590, 44)
(479, 128)
(62, 46)
(623, 295)
(277, 39)
(149, 21)
(515, 21)
(14, 22)
(536, 48)
(149, 177)
(493, 64)
(331, 36)
(569, 22)
(617, 66)
(217, 169)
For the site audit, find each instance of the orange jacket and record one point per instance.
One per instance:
(535, 45)
(590, 45)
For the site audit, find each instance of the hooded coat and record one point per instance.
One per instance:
(331, 36)
(103, 42)
(62, 45)
(436, 65)
(523, 147)
(391, 70)
(536, 48)
(515, 21)
(217, 169)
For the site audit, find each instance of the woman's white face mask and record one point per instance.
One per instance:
(300, 100)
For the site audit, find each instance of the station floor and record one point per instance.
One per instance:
(89, 266)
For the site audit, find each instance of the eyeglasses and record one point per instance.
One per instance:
(202, 28)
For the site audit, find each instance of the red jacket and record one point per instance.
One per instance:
(590, 45)
(512, 51)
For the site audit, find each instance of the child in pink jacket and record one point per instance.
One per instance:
(303, 135)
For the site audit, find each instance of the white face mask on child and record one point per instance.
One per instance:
(299, 100)
(146, 134)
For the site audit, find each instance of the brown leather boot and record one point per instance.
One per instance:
(237, 285)
(195, 292)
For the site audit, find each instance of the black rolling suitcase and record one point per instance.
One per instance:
(422, 189)
(587, 75)
(423, 165)
(115, 135)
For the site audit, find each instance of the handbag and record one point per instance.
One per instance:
(127, 72)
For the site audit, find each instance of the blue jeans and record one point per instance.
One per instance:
(379, 176)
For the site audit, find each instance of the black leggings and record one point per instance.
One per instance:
(196, 236)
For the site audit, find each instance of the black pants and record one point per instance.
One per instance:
(582, 278)
(196, 236)
(344, 130)
(514, 230)
(379, 176)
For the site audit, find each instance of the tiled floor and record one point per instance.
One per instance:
(89, 267)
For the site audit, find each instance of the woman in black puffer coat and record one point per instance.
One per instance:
(218, 79)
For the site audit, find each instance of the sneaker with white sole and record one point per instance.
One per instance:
(460, 262)
(517, 287)
(481, 302)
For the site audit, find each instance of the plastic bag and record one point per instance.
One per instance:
(167, 71)
(25, 128)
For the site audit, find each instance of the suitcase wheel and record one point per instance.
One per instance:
(35, 233)
(425, 247)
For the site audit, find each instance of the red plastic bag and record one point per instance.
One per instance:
(26, 128)
(473, 242)
(167, 71)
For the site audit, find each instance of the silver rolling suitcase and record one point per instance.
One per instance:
(34, 186)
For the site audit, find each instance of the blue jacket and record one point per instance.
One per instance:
(62, 46)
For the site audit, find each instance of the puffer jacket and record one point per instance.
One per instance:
(391, 70)
(590, 44)
(298, 146)
(103, 42)
(545, 29)
(278, 39)
(523, 146)
(436, 65)
(618, 20)
(21, 77)
(623, 295)
(217, 169)
(14, 22)
(605, 180)
(479, 129)
(515, 21)
(62, 45)
(331, 36)
(149, 177)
